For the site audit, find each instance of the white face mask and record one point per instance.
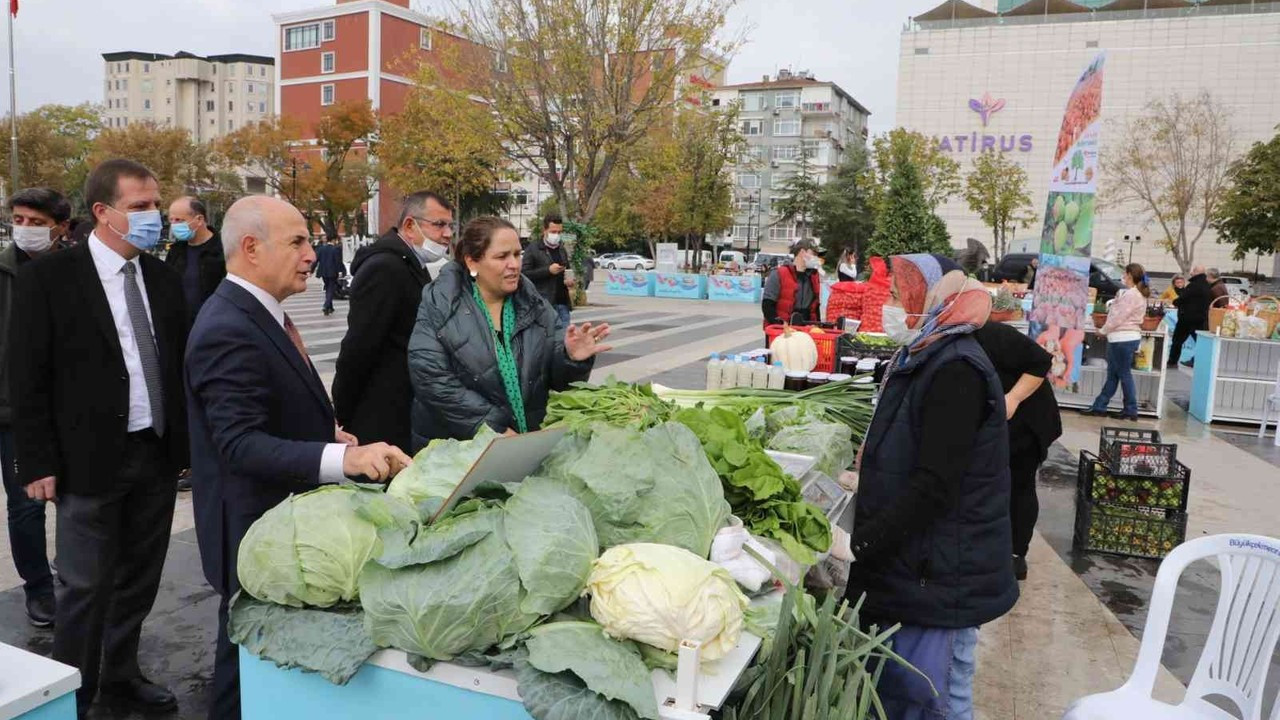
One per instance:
(895, 325)
(553, 240)
(32, 239)
(429, 251)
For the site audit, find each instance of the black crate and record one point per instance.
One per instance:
(1131, 532)
(1099, 484)
(1138, 453)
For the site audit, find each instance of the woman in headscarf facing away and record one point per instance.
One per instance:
(931, 531)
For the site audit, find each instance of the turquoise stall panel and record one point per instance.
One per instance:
(684, 286)
(734, 288)
(633, 284)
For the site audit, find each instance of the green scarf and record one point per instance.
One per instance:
(506, 356)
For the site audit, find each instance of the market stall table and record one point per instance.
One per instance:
(631, 284)
(36, 688)
(734, 288)
(1233, 378)
(686, 286)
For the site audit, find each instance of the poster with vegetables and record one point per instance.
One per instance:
(1061, 301)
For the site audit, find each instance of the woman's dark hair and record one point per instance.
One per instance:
(478, 235)
(1138, 274)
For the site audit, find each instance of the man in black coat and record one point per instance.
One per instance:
(371, 391)
(196, 253)
(100, 424)
(545, 263)
(329, 267)
(261, 424)
(1193, 312)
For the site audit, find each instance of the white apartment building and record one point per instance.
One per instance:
(785, 118)
(1030, 53)
(208, 96)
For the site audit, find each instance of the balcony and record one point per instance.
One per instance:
(818, 108)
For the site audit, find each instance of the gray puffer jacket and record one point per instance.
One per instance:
(454, 368)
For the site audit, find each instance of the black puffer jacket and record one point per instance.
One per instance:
(454, 368)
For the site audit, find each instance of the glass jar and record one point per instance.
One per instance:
(795, 381)
(817, 379)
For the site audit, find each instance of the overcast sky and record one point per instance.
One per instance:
(60, 42)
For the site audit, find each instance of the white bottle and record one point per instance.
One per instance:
(759, 375)
(714, 366)
(729, 373)
(744, 372)
(777, 376)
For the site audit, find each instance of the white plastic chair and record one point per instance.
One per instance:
(1238, 651)
(1271, 404)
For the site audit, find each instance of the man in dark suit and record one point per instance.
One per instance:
(371, 390)
(100, 424)
(261, 423)
(329, 267)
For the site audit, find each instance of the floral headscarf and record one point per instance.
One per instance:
(939, 297)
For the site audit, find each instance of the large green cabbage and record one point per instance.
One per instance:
(654, 486)
(438, 468)
(309, 550)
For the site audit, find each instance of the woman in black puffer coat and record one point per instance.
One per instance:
(485, 347)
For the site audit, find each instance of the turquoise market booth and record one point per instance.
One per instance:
(631, 284)
(734, 288)
(36, 688)
(684, 286)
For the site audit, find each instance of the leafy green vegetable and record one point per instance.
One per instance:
(331, 642)
(609, 667)
(845, 402)
(656, 486)
(563, 696)
(767, 500)
(553, 564)
(614, 403)
(438, 468)
(309, 549)
(831, 444)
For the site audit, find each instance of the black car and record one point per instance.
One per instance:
(1105, 276)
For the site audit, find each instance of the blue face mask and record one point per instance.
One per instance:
(144, 229)
(181, 231)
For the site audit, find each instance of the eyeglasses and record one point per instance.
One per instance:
(437, 224)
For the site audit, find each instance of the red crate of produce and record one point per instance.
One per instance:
(825, 340)
(1099, 484)
(1138, 452)
(1127, 531)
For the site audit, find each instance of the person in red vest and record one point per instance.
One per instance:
(793, 293)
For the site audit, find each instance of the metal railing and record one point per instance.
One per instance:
(1099, 15)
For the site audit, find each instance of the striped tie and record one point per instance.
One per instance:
(146, 343)
(296, 338)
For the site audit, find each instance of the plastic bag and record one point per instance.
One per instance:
(726, 551)
(830, 443)
(1146, 351)
(832, 570)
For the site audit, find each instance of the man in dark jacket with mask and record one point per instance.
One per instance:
(1193, 312)
(371, 391)
(40, 218)
(196, 253)
(546, 262)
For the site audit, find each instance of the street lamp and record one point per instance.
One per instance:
(1132, 239)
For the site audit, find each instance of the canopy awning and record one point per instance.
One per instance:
(1145, 5)
(955, 10)
(1047, 7)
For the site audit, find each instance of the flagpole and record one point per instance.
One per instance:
(13, 113)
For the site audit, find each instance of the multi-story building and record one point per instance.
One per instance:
(1026, 57)
(788, 119)
(207, 96)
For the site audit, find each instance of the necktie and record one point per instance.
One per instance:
(296, 337)
(146, 343)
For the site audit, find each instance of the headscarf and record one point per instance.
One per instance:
(943, 300)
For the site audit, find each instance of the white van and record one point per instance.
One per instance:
(733, 257)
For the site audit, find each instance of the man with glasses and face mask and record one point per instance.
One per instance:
(40, 220)
(371, 391)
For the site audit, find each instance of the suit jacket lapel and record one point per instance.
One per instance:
(278, 337)
(97, 297)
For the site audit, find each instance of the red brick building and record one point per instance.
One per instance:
(356, 50)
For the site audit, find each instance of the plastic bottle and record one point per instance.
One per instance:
(759, 375)
(729, 372)
(777, 376)
(744, 372)
(714, 366)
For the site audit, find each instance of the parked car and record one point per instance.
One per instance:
(764, 263)
(1237, 287)
(603, 258)
(628, 262)
(1106, 277)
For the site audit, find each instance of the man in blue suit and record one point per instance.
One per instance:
(262, 426)
(329, 267)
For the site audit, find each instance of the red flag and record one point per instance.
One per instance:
(13, 7)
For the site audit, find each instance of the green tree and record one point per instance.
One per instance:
(939, 174)
(181, 165)
(344, 180)
(798, 196)
(1172, 163)
(269, 149)
(708, 142)
(54, 143)
(996, 190)
(576, 87)
(842, 215)
(1249, 216)
(904, 221)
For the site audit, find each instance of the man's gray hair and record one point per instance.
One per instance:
(246, 217)
(1212, 273)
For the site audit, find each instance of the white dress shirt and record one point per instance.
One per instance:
(331, 460)
(110, 266)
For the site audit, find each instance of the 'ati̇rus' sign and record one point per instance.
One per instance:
(986, 107)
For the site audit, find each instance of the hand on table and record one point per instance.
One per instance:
(43, 490)
(584, 342)
(379, 462)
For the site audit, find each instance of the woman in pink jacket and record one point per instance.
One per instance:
(1123, 331)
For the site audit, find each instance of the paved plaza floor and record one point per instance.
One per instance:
(1074, 631)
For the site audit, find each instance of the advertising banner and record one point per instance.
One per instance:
(685, 286)
(1061, 308)
(667, 259)
(635, 284)
(734, 288)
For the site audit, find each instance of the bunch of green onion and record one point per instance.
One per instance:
(846, 402)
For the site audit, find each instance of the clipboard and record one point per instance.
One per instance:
(507, 459)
